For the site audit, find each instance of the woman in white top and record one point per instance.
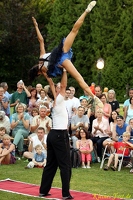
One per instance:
(128, 111)
(100, 130)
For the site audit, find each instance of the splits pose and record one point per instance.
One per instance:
(54, 62)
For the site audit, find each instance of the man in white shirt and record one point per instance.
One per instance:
(41, 120)
(39, 138)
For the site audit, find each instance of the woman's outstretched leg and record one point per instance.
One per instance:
(71, 36)
(40, 38)
(67, 64)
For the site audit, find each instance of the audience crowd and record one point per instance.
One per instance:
(25, 122)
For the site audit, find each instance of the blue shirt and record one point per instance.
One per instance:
(120, 130)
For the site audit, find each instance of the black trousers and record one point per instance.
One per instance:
(99, 142)
(58, 155)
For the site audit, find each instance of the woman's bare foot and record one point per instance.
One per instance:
(34, 21)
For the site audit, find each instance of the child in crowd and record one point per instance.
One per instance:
(85, 146)
(7, 151)
(119, 146)
(39, 159)
(2, 132)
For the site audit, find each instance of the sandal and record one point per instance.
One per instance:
(113, 168)
(131, 171)
(129, 165)
(106, 168)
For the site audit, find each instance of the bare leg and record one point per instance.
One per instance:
(110, 159)
(67, 64)
(71, 36)
(40, 38)
(116, 160)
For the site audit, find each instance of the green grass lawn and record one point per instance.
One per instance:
(94, 180)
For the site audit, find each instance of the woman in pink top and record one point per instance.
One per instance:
(85, 146)
(106, 107)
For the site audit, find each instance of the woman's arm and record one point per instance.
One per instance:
(14, 124)
(125, 112)
(4, 153)
(77, 144)
(51, 83)
(26, 123)
(91, 145)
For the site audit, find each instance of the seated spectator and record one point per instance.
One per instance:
(4, 101)
(39, 138)
(100, 131)
(43, 97)
(2, 132)
(130, 127)
(78, 121)
(34, 112)
(128, 111)
(38, 88)
(7, 95)
(119, 146)
(84, 103)
(4, 121)
(32, 100)
(20, 126)
(112, 124)
(106, 107)
(120, 128)
(41, 120)
(112, 101)
(7, 151)
(39, 158)
(85, 146)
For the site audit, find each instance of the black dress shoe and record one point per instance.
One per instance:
(69, 197)
(44, 195)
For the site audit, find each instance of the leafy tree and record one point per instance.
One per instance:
(19, 45)
(112, 40)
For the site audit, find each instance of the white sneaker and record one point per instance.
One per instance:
(88, 167)
(98, 102)
(98, 159)
(83, 166)
(91, 6)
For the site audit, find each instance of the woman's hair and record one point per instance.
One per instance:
(3, 128)
(103, 95)
(20, 104)
(6, 136)
(34, 109)
(130, 99)
(43, 91)
(32, 91)
(111, 119)
(86, 133)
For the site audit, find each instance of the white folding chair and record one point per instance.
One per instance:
(121, 156)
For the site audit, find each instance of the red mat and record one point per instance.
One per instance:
(27, 189)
